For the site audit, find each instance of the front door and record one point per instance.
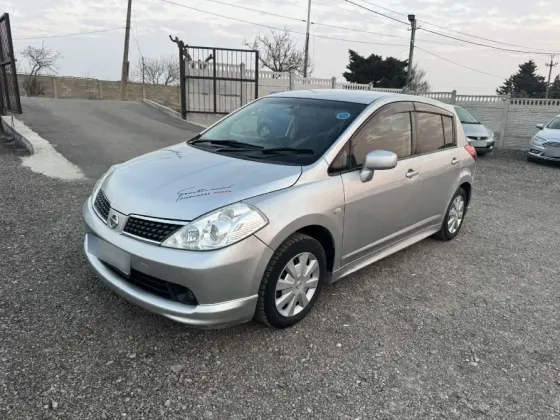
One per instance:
(383, 210)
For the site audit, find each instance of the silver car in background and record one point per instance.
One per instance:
(545, 145)
(240, 223)
(478, 136)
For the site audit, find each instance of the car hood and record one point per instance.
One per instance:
(182, 182)
(550, 135)
(475, 130)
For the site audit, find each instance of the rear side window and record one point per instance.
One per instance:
(448, 131)
(430, 133)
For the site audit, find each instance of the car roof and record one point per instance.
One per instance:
(343, 95)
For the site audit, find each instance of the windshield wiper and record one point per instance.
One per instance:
(287, 150)
(230, 143)
(271, 151)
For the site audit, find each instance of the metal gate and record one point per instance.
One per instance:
(216, 80)
(9, 91)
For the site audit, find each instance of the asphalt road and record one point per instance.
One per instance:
(97, 134)
(462, 330)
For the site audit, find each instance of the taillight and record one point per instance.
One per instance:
(471, 150)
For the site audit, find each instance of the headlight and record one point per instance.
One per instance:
(99, 183)
(218, 229)
(539, 139)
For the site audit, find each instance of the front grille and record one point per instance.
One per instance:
(102, 205)
(151, 230)
(477, 138)
(552, 144)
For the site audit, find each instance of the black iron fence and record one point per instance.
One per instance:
(9, 91)
(216, 80)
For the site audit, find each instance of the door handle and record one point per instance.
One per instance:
(411, 174)
(454, 161)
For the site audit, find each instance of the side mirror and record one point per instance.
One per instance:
(378, 160)
(540, 126)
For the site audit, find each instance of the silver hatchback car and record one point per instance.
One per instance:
(241, 223)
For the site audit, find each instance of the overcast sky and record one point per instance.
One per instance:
(534, 25)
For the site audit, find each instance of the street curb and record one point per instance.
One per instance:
(18, 131)
(44, 159)
(171, 112)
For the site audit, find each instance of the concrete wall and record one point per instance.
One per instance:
(513, 121)
(83, 88)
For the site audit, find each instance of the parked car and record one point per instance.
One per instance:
(545, 145)
(234, 225)
(479, 136)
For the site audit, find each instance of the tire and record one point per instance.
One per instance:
(531, 158)
(447, 232)
(276, 274)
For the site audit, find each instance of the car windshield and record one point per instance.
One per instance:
(554, 124)
(465, 116)
(292, 131)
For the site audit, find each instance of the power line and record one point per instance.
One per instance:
(484, 45)
(460, 65)
(303, 20)
(453, 30)
(377, 13)
(72, 34)
(257, 10)
(277, 28)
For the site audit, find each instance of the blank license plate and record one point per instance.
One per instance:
(109, 254)
(552, 152)
(478, 143)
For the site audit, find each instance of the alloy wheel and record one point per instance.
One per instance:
(297, 284)
(456, 213)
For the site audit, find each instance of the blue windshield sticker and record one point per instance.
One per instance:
(343, 115)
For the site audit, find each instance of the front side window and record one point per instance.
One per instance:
(390, 129)
(281, 130)
(430, 133)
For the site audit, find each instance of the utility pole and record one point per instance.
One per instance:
(143, 71)
(551, 64)
(124, 76)
(306, 51)
(412, 20)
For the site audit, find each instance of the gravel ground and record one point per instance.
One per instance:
(461, 330)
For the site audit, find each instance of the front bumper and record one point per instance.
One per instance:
(225, 282)
(537, 150)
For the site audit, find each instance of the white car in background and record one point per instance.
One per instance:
(479, 136)
(545, 145)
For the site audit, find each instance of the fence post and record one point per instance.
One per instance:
(504, 122)
(242, 71)
(291, 81)
(370, 86)
(333, 82)
(454, 97)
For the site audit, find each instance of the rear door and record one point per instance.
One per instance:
(436, 147)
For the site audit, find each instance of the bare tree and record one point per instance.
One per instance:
(158, 71)
(279, 52)
(418, 80)
(39, 62)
